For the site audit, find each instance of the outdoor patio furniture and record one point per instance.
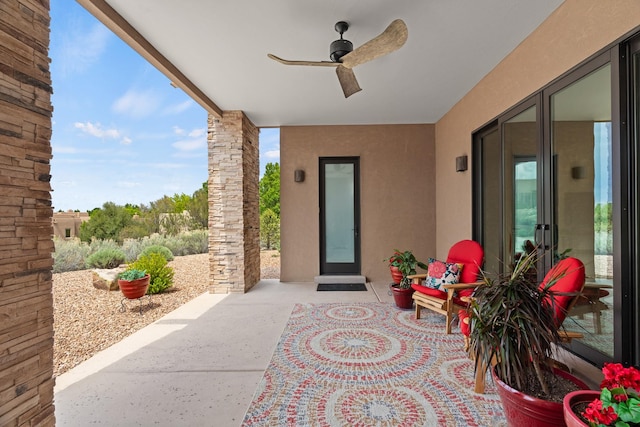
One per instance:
(449, 298)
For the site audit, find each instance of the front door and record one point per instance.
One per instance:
(340, 215)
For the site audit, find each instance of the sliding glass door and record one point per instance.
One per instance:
(551, 160)
(581, 212)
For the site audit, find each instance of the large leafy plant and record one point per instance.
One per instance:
(513, 325)
(407, 263)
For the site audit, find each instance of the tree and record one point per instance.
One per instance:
(270, 189)
(198, 206)
(269, 229)
(105, 223)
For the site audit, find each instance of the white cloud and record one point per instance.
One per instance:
(97, 130)
(274, 154)
(177, 108)
(190, 144)
(80, 50)
(197, 133)
(127, 184)
(137, 104)
(178, 130)
(126, 140)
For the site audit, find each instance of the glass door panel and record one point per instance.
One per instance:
(581, 222)
(520, 196)
(490, 160)
(339, 213)
(339, 216)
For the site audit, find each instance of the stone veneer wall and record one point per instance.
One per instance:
(234, 219)
(26, 301)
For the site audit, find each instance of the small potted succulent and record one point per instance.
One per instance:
(133, 283)
(406, 264)
(617, 404)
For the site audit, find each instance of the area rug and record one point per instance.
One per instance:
(369, 365)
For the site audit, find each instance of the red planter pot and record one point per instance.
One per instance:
(523, 410)
(575, 397)
(396, 275)
(402, 297)
(135, 288)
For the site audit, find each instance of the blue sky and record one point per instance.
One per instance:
(121, 132)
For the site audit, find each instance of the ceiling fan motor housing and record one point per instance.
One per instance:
(340, 48)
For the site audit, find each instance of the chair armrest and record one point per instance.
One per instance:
(458, 286)
(415, 278)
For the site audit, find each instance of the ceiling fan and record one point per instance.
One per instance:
(345, 58)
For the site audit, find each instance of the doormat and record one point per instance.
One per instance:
(341, 287)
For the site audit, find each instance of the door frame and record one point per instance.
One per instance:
(340, 268)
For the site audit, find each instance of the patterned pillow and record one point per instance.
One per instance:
(442, 273)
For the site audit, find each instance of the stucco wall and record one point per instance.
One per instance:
(574, 32)
(397, 167)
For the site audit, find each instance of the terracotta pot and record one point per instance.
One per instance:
(575, 397)
(402, 297)
(523, 410)
(396, 275)
(135, 288)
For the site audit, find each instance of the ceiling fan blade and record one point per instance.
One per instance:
(348, 81)
(312, 63)
(391, 39)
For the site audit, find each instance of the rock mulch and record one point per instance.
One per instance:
(88, 320)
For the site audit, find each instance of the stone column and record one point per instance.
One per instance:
(234, 217)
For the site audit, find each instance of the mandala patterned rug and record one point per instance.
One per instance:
(370, 365)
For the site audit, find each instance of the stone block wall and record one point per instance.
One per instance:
(26, 302)
(234, 220)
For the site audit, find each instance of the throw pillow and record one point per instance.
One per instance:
(442, 273)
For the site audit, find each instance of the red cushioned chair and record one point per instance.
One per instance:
(450, 298)
(567, 279)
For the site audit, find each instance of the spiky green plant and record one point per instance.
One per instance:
(513, 324)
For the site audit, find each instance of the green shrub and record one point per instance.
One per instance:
(161, 275)
(157, 249)
(69, 255)
(132, 248)
(99, 244)
(106, 258)
(194, 242)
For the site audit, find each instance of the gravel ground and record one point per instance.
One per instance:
(88, 320)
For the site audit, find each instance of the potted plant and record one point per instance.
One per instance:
(617, 404)
(407, 264)
(514, 330)
(133, 283)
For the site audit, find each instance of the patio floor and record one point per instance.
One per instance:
(198, 365)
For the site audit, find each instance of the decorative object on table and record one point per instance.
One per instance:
(514, 328)
(406, 264)
(617, 404)
(443, 291)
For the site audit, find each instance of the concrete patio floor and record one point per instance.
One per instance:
(198, 366)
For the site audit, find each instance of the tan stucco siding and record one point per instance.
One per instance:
(397, 193)
(575, 31)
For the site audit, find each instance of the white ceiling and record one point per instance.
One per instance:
(222, 47)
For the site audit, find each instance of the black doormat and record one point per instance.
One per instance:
(341, 287)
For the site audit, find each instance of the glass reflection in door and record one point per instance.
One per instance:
(582, 210)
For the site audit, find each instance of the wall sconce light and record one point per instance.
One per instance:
(577, 172)
(461, 163)
(298, 175)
